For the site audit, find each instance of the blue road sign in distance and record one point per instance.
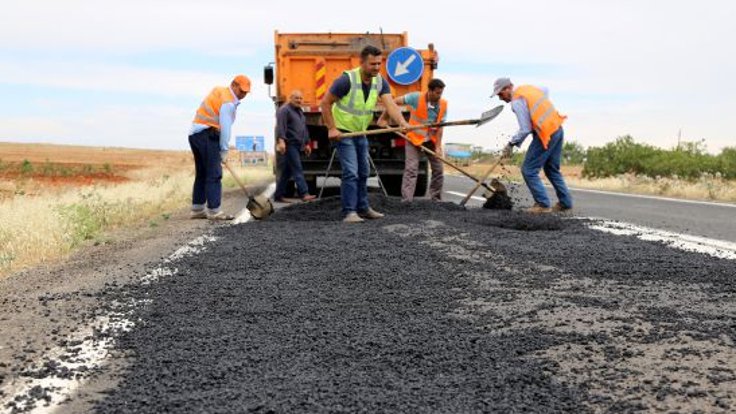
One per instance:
(405, 65)
(249, 143)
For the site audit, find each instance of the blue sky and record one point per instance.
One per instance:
(132, 73)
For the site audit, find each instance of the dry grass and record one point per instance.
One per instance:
(48, 222)
(708, 187)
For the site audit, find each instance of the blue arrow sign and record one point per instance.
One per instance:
(405, 66)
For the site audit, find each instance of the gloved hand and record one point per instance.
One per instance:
(223, 156)
(508, 150)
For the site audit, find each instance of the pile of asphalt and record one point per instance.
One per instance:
(433, 309)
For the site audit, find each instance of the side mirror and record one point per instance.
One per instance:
(268, 75)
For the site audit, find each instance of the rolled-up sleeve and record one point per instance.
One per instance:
(525, 121)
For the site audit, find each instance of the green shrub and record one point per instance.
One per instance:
(26, 167)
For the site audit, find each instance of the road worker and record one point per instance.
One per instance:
(537, 116)
(425, 108)
(210, 139)
(349, 107)
(292, 138)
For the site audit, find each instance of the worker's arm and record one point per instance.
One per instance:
(227, 117)
(327, 117)
(440, 133)
(393, 110)
(383, 119)
(525, 122)
(282, 120)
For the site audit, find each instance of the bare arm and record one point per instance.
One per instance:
(383, 119)
(327, 117)
(393, 110)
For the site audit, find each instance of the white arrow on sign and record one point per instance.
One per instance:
(402, 68)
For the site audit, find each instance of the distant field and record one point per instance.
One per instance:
(27, 169)
(56, 198)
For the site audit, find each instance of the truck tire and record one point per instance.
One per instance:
(393, 185)
(422, 184)
(311, 184)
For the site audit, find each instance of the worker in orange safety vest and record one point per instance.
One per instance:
(210, 139)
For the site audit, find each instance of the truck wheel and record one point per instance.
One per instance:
(312, 184)
(422, 184)
(392, 183)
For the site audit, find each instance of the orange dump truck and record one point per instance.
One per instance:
(310, 62)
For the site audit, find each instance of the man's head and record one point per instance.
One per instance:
(435, 89)
(503, 88)
(296, 97)
(240, 86)
(370, 60)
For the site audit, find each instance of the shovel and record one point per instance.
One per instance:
(451, 165)
(485, 177)
(260, 206)
(485, 117)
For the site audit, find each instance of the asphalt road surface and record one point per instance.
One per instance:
(714, 220)
(433, 309)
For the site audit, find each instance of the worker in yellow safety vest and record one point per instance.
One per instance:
(537, 116)
(210, 139)
(349, 106)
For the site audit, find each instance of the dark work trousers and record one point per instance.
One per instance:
(208, 167)
(290, 167)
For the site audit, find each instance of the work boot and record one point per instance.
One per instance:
(371, 214)
(538, 209)
(559, 208)
(352, 218)
(198, 214)
(309, 197)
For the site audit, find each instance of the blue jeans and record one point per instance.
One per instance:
(290, 166)
(208, 169)
(353, 154)
(536, 159)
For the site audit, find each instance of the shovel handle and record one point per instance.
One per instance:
(237, 179)
(446, 162)
(485, 177)
(402, 130)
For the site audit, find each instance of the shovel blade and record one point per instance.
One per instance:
(260, 207)
(489, 116)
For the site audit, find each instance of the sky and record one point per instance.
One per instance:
(132, 73)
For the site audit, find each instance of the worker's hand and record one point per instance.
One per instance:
(508, 150)
(281, 146)
(308, 150)
(439, 151)
(223, 156)
(333, 133)
(382, 123)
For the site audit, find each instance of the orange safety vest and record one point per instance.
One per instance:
(545, 118)
(209, 111)
(420, 116)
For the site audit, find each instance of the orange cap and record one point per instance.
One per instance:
(243, 82)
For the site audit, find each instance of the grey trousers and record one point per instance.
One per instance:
(411, 167)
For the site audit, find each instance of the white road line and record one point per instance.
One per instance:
(651, 197)
(713, 247)
(461, 195)
(93, 353)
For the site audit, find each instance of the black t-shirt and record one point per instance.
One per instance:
(341, 87)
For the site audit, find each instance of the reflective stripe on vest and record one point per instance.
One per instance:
(353, 112)
(545, 118)
(420, 116)
(208, 112)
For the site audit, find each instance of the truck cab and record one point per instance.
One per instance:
(310, 62)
